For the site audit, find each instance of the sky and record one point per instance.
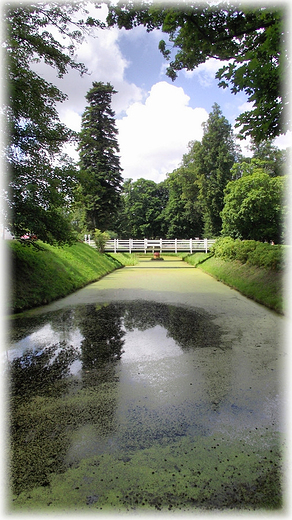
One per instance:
(156, 118)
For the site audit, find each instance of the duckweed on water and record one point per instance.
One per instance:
(202, 472)
(112, 435)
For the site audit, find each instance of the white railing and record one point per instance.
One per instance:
(144, 245)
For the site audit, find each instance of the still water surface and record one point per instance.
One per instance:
(147, 394)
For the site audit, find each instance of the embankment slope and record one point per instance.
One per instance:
(41, 273)
(265, 286)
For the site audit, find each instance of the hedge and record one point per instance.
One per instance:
(251, 252)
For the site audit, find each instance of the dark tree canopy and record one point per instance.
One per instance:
(183, 213)
(143, 205)
(251, 40)
(213, 160)
(41, 178)
(100, 171)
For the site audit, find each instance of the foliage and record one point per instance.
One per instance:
(143, 206)
(268, 256)
(251, 40)
(191, 201)
(40, 201)
(100, 171)
(213, 159)
(266, 157)
(272, 159)
(196, 188)
(247, 167)
(41, 177)
(253, 207)
(43, 274)
(251, 252)
(100, 239)
(183, 214)
(224, 248)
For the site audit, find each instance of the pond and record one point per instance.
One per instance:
(136, 405)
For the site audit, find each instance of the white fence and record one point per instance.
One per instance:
(176, 245)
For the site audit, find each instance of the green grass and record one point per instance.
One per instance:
(41, 273)
(125, 258)
(265, 286)
(197, 258)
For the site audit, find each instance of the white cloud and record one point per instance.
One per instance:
(284, 141)
(101, 54)
(105, 63)
(205, 72)
(71, 119)
(154, 135)
(246, 107)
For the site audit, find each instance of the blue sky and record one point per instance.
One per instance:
(156, 118)
(147, 66)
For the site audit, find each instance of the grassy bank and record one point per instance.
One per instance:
(41, 273)
(265, 286)
(125, 258)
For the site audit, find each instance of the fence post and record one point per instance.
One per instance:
(161, 245)
(130, 245)
(191, 246)
(206, 245)
(115, 245)
(145, 245)
(175, 245)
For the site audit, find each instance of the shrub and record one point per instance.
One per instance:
(267, 256)
(100, 239)
(243, 248)
(224, 248)
(250, 251)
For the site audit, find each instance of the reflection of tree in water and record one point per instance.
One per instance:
(35, 372)
(102, 327)
(103, 330)
(103, 334)
(60, 321)
(49, 405)
(189, 328)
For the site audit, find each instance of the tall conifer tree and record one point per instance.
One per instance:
(214, 160)
(100, 171)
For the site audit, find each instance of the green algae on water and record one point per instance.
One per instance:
(115, 423)
(200, 472)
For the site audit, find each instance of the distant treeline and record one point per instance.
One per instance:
(214, 192)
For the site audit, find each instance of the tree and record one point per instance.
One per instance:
(196, 188)
(253, 207)
(252, 40)
(40, 199)
(144, 202)
(41, 177)
(274, 160)
(100, 171)
(183, 213)
(213, 160)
